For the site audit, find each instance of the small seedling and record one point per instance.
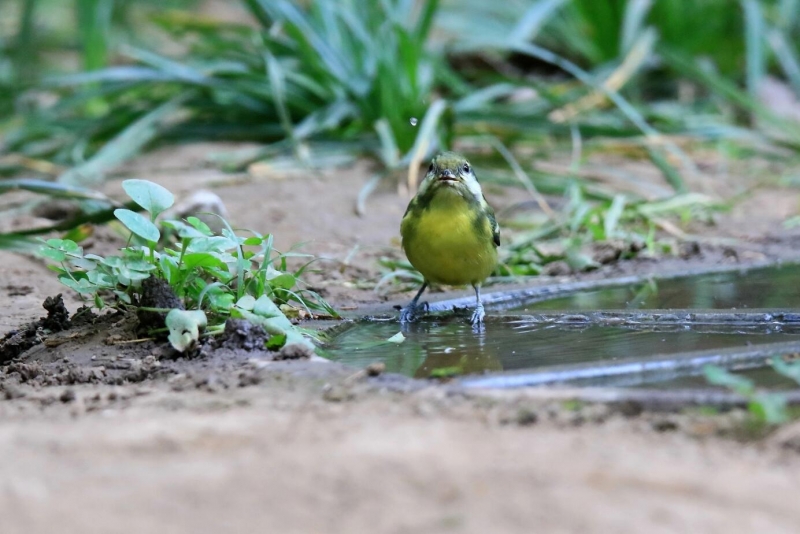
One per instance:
(215, 275)
(768, 408)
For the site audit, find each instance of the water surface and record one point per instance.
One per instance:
(582, 343)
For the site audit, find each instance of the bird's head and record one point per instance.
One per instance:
(451, 170)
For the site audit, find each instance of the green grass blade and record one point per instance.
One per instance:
(671, 175)
(533, 19)
(425, 141)
(175, 69)
(26, 55)
(94, 22)
(729, 91)
(128, 74)
(126, 144)
(52, 189)
(754, 44)
(18, 243)
(633, 23)
(787, 58)
(622, 104)
(390, 154)
(278, 85)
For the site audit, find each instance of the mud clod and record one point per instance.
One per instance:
(295, 351)
(11, 391)
(375, 369)
(244, 335)
(156, 293)
(67, 396)
(337, 393)
(57, 315)
(16, 342)
(84, 316)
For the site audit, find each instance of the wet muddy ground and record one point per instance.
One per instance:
(103, 432)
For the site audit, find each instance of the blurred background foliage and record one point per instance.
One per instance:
(87, 84)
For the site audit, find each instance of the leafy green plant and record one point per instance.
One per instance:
(769, 408)
(631, 225)
(219, 274)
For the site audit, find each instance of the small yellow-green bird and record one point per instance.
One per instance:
(449, 231)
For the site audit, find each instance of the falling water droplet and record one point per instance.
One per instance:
(413, 121)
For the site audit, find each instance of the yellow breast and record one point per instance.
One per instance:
(449, 241)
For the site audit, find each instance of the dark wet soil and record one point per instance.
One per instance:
(156, 293)
(242, 335)
(108, 350)
(18, 341)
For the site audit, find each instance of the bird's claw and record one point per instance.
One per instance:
(478, 315)
(412, 312)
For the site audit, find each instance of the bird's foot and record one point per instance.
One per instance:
(413, 311)
(478, 315)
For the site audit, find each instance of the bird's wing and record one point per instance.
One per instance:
(493, 221)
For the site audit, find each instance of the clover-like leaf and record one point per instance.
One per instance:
(276, 341)
(220, 300)
(81, 286)
(199, 225)
(139, 265)
(272, 319)
(184, 230)
(247, 302)
(253, 241)
(184, 328)
(138, 224)
(115, 262)
(51, 253)
(283, 281)
(82, 263)
(101, 279)
(201, 259)
(150, 196)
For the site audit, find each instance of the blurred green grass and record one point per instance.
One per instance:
(89, 84)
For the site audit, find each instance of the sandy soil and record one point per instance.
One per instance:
(114, 439)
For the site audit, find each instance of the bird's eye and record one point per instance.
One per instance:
(466, 168)
(430, 169)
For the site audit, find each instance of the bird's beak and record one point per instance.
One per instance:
(447, 175)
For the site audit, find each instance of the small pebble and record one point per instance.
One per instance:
(67, 396)
(376, 369)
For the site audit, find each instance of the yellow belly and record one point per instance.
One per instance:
(446, 244)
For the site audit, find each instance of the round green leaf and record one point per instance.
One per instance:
(247, 302)
(152, 197)
(252, 241)
(139, 265)
(51, 253)
(138, 224)
(201, 259)
(283, 281)
(199, 225)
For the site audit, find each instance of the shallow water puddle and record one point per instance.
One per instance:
(512, 343)
(615, 342)
(767, 288)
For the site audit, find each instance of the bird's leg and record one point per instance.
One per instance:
(479, 313)
(409, 313)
